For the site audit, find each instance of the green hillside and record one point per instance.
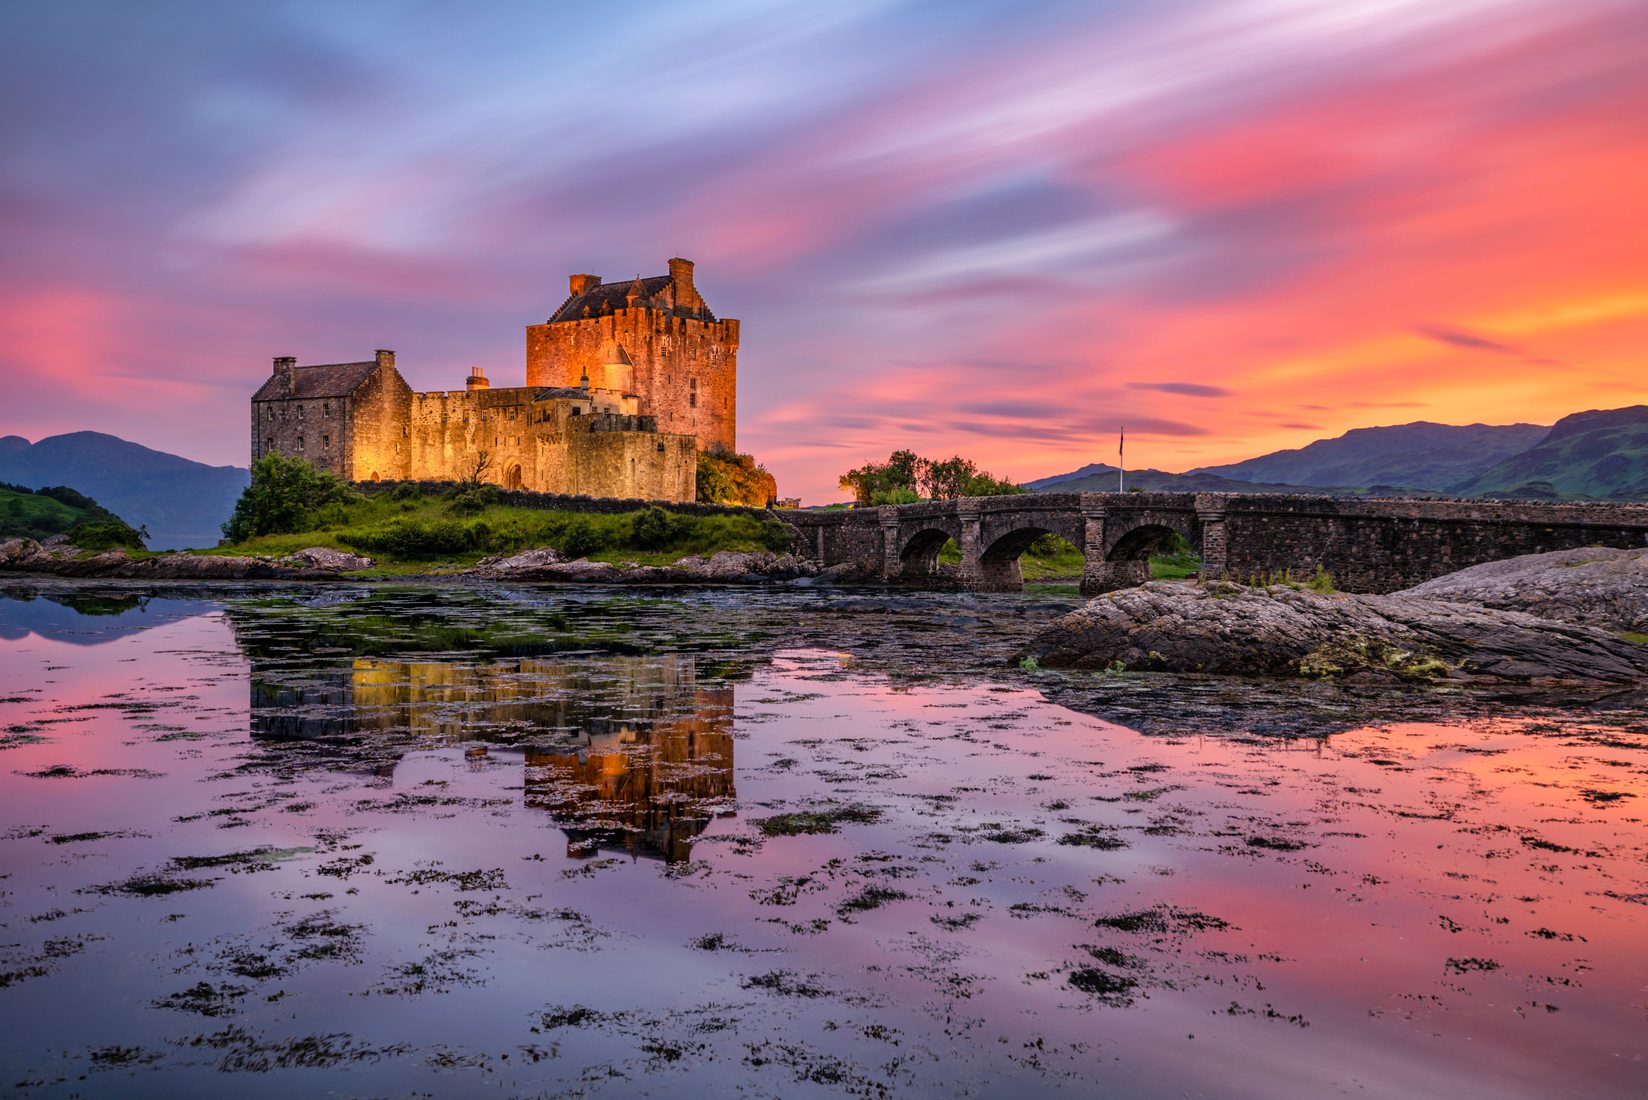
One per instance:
(1602, 454)
(42, 513)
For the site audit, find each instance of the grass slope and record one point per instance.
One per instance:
(425, 534)
(30, 515)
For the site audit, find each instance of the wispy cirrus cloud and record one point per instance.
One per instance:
(970, 228)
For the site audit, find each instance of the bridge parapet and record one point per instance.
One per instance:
(1368, 544)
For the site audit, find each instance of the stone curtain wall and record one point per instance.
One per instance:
(1368, 545)
(627, 463)
(377, 441)
(670, 354)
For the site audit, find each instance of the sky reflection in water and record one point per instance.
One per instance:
(253, 842)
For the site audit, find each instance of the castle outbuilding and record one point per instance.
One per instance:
(625, 384)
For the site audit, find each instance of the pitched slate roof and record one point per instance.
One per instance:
(319, 380)
(607, 298)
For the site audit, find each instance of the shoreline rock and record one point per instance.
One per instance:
(318, 563)
(1280, 631)
(22, 555)
(1592, 586)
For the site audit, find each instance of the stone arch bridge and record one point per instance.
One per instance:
(1369, 545)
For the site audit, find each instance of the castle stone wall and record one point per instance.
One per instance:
(685, 370)
(314, 429)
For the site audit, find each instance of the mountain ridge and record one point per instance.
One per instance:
(180, 501)
(1599, 454)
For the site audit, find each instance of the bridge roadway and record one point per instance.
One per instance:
(1367, 544)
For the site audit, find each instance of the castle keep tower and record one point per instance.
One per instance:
(660, 336)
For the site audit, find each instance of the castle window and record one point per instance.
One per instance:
(300, 443)
(692, 394)
(300, 412)
(325, 441)
(326, 408)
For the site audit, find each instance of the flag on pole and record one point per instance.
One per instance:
(1121, 461)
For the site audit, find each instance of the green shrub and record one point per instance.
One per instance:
(409, 538)
(472, 498)
(1321, 580)
(282, 498)
(406, 490)
(105, 534)
(656, 528)
(579, 539)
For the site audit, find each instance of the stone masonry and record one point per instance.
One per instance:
(653, 337)
(1369, 545)
(625, 384)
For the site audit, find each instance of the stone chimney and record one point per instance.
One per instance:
(285, 370)
(476, 380)
(681, 276)
(582, 284)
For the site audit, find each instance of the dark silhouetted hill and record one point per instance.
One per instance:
(1422, 455)
(1101, 478)
(181, 502)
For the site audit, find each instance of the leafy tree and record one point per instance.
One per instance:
(884, 479)
(283, 493)
(907, 477)
(727, 478)
(984, 485)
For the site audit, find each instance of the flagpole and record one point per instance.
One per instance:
(1121, 461)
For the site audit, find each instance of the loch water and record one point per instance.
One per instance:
(414, 841)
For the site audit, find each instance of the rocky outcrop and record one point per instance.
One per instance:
(725, 567)
(63, 560)
(1595, 586)
(1229, 628)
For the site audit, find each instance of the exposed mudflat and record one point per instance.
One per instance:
(495, 841)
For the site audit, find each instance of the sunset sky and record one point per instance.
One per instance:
(1002, 229)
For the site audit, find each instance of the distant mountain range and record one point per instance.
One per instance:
(1598, 455)
(182, 503)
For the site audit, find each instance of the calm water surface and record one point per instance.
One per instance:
(510, 843)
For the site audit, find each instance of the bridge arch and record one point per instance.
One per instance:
(998, 564)
(919, 549)
(1129, 543)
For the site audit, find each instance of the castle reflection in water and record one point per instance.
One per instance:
(626, 753)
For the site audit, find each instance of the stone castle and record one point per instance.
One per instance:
(625, 384)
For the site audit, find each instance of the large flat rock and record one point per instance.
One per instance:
(1282, 631)
(1595, 586)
